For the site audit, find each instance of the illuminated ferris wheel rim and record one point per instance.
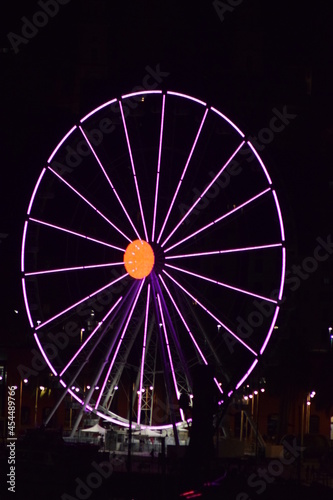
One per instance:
(159, 238)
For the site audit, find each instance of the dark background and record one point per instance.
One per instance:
(262, 55)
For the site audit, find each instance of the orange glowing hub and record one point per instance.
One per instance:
(139, 259)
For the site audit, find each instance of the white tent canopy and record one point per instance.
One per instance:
(97, 429)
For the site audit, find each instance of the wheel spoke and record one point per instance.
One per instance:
(184, 322)
(74, 233)
(119, 343)
(143, 356)
(183, 175)
(158, 168)
(76, 268)
(168, 347)
(91, 336)
(110, 183)
(108, 285)
(224, 216)
(203, 193)
(217, 252)
(133, 171)
(225, 285)
(89, 204)
(210, 313)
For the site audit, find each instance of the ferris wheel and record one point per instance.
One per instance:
(153, 243)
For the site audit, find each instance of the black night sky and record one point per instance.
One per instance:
(251, 61)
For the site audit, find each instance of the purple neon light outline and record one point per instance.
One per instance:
(109, 181)
(44, 355)
(224, 216)
(283, 272)
(32, 199)
(143, 356)
(178, 94)
(261, 162)
(242, 380)
(204, 192)
(77, 268)
(218, 385)
(263, 347)
(120, 342)
(141, 92)
(74, 233)
(158, 167)
(228, 120)
(61, 143)
(183, 174)
(210, 313)
(184, 322)
(133, 170)
(230, 287)
(168, 348)
(217, 252)
(81, 301)
(25, 298)
(97, 109)
(88, 203)
(25, 228)
(279, 214)
(90, 336)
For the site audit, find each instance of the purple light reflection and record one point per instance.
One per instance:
(230, 287)
(133, 171)
(183, 174)
(234, 210)
(210, 314)
(203, 193)
(158, 168)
